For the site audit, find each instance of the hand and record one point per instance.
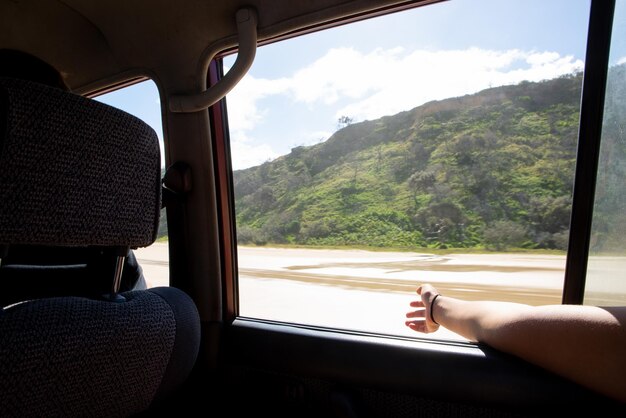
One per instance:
(423, 323)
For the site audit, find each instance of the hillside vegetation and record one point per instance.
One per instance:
(493, 169)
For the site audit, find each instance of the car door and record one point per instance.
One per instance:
(350, 166)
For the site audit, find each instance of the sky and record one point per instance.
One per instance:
(296, 90)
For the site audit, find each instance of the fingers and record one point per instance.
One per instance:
(416, 314)
(420, 326)
(426, 288)
(419, 322)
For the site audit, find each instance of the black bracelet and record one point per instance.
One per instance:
(432, 305)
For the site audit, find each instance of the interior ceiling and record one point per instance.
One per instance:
(94, 42)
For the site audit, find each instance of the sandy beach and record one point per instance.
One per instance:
(370, 291)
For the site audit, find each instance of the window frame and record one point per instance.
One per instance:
(284, 364)
(588, 148)
(588, 153)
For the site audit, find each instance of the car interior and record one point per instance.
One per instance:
(85, 186)
(75, 350)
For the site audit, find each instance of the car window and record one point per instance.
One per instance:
(381, 154)
(605, 283)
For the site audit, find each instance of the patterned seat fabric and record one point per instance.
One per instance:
(76, 174)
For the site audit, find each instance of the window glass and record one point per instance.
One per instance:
(143, 101)
(606, 278)
(430, 145)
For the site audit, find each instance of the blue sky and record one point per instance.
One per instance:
(297, 89)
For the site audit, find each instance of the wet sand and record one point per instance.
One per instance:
(370, 291)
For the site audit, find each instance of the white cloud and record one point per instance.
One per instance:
(247, 153)
(621, 61)
(244, 116)
(423, 76)
(382, 82)
(243, 112)
(341, 73)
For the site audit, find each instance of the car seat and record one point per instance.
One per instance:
(78, 174)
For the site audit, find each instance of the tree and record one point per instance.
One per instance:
(501, 235)
(344, 121)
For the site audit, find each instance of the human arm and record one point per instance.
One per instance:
(583, 343)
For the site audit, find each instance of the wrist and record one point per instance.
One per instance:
(432, 308)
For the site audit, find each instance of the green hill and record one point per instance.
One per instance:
(489, 169)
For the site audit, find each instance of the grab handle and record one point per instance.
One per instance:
(247, 33)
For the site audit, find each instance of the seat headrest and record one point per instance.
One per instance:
(74, 171)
